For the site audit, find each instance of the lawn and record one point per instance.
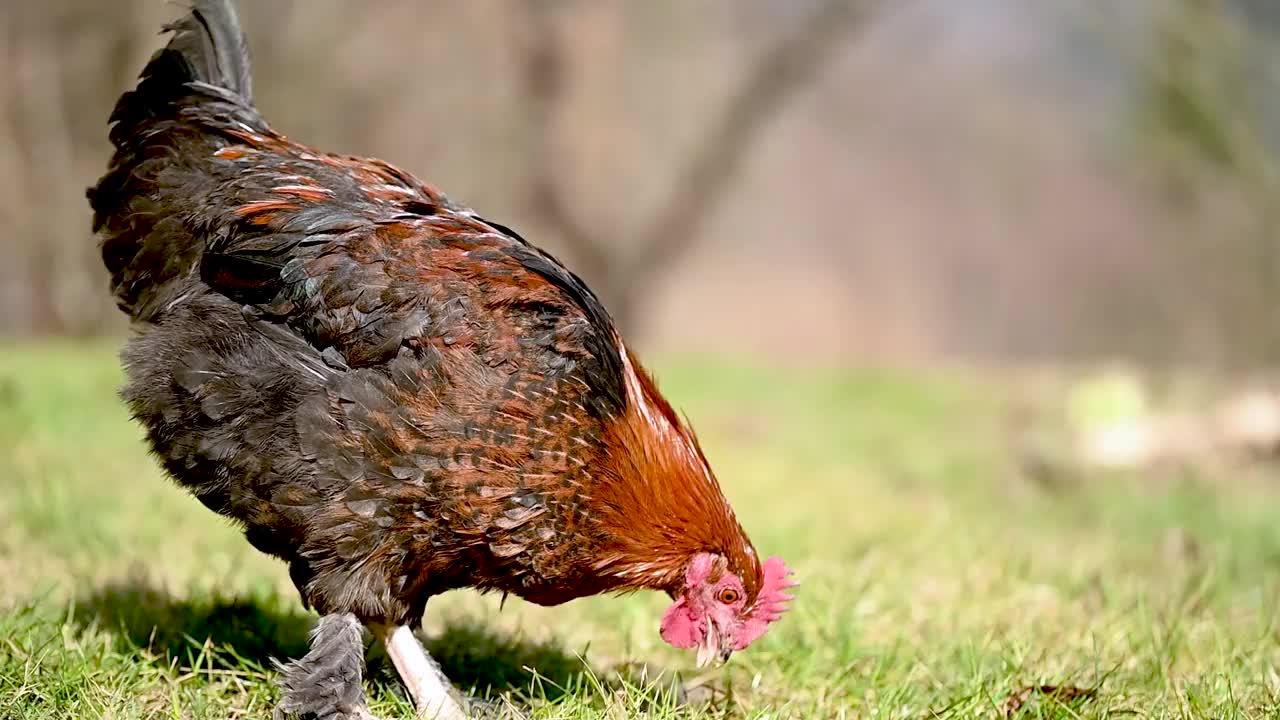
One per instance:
(936, 581)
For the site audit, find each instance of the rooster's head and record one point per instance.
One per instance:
(716, 612)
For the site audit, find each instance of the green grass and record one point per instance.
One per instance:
(936, 583)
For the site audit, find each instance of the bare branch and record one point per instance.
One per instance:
(701, 186)
(705, 181)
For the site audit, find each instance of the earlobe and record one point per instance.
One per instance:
(680, 627)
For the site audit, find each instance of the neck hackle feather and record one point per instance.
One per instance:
(661, 500)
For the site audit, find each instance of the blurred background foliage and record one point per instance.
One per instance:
(903, 181)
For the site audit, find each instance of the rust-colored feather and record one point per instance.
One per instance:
(663, 503)
(264, 206)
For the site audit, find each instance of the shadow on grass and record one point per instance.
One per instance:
(248, 633)
(241, 631)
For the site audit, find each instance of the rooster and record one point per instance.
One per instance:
(390, 393)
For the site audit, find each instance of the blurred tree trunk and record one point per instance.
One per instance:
(64, 62)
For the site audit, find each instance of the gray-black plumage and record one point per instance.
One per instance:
(325, 684)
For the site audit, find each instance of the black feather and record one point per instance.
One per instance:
(138, 205)
(327, 681)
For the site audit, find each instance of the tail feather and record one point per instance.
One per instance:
(207, 48)
(211, 42)
(162, 130)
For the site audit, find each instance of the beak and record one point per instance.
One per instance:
(714, 646)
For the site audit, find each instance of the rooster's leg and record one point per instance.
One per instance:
(431, 692)
(327, 681)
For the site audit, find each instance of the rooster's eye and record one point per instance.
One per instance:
(728, 596)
